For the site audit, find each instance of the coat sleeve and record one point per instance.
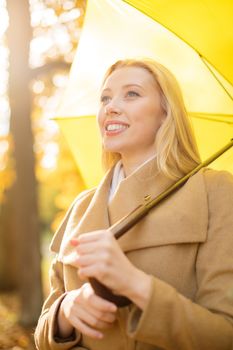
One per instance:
(45, 333)
(172, 321)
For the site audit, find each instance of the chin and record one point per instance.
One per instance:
(112, 148)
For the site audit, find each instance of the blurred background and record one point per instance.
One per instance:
(38, 176)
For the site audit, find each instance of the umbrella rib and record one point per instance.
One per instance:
(203, 116)
(215, 76)
(73, 117)
(196, 115)
(181, 38)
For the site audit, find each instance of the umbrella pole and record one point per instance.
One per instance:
(128, 221)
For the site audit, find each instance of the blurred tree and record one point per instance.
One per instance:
(6, 167)
(24, 235)
(60, 21)
(8, 269)
(58, 25)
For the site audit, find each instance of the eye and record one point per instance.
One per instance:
(105, 99)
(132, 93)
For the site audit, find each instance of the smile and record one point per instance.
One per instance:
(116, 127)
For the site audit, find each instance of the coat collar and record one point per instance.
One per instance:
(134, 190)
(163, 225)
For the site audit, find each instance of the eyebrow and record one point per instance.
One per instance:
(125, 86)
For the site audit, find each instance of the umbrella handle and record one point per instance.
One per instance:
(107, 294)
(117, 230)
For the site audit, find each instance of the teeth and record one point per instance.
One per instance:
(112, 127)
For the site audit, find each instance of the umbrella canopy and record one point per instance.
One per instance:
(194, 39)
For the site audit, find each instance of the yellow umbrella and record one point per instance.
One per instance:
(194, 39)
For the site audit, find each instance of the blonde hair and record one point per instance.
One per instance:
(176, 147)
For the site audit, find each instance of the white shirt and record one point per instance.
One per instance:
(119, 175)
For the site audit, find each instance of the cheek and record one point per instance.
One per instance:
(100, 120)
(157, 116)
(149, 123)
(149, 118)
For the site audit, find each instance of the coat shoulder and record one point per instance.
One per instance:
(219, 188)
(218, 181)
(81, 202)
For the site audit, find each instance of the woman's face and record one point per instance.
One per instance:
(130, 112)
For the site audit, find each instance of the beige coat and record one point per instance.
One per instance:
(185, 244)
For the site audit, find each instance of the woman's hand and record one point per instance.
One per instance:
(100, 256)
(84, 310)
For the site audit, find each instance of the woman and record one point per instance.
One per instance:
(175, 265)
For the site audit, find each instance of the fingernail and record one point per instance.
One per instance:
(74, 242)
(100, 335)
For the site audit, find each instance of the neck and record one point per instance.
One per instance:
(132, 163)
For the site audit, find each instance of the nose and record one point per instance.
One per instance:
(112, 109)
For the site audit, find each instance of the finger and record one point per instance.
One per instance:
(96, 302)
(85, 260)
(94, 270)
(87, 248)
(106, 317)
(99, 313)
(93, 236)
(85, 329)
(86, 315)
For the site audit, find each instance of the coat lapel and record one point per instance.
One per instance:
(181, 218)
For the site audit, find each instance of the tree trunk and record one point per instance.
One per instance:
(25, 201)
(8, 248)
